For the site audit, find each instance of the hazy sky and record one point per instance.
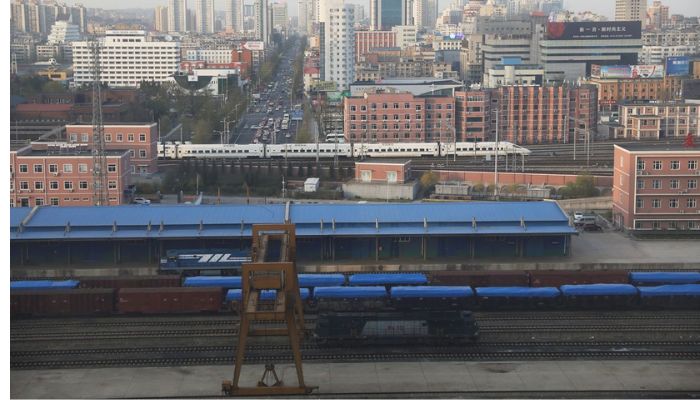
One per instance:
(605, 7)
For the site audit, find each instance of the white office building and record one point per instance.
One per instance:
(631, 10)
(126, 58)
(337, 23)
(62, 33)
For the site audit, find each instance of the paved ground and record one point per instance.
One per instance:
(343, 378)
(615, 247)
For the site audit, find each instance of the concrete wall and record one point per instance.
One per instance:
(589, 203)
(519, 178)
(395, 191)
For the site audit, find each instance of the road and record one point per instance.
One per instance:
(274, 102)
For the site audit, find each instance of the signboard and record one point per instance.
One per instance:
(453, 36)
(255, 46)
(647, 71)
(324, 86)
(297, 115)
(511, 60)
(594, 30)
(628, 71)
(677, 66)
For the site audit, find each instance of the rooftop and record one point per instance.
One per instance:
(657, 146)
(311, 220)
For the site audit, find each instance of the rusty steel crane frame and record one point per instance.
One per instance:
(280, 275)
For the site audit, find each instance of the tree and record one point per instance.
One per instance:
(428, 180)
(689, 142)
(202, 132)
(53, 87)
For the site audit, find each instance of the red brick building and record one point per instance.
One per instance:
(655, 187)
(365, 41)
(472, 116)
(140, 140)
(398, 117)
(395, 172)
(61, 175)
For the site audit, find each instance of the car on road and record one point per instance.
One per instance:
(141, 200)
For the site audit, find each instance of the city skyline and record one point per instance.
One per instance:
(604, 7)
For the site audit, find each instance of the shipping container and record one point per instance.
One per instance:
(169, 300)
(69, 302)
(118, 282)
(568, 277)
(480, 278)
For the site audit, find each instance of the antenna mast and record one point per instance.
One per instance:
(99, 158)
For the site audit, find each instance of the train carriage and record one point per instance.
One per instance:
(517, 298)
(350, 298)
(432, 297)
(663, 278)
(684, 296)
(602, 295)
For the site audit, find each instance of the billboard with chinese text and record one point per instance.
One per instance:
(677, 66)
(594, 30)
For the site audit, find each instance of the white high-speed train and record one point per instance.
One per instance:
(187, 150)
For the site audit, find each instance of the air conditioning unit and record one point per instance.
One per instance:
(56, 173)
(70, 190)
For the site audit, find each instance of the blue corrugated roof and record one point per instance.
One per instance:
(174, 221)
(690, 289)
(43, 284)
(213, 281)
(398, 292)
(665, 277)
(599, 289)
(265, 295)
(388, 279)
(349, 292)
(517, 291)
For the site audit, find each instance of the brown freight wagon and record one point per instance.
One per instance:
(558, 278)
(169, 300)
(119, 282)
(480, 278)
(68, 302)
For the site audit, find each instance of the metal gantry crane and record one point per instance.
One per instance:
(99, 157)
(272, 268)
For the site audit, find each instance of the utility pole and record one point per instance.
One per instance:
(495, 174)
(99, 157)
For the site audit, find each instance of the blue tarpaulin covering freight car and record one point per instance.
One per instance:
(31, 285)
(349, 292)
(690, 289)
(399, 292)
(663, 278)
(265, 295)
(387, 279)
(517, 291)
(318, 280)
(229, 282)
(599, 289)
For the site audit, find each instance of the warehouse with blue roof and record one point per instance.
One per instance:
(115, 235)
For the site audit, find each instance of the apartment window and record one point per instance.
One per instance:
(82, 168)
(692, 184)
(385, 106)
(406, 105)
(142, 153)
(385, 117)
(112, 184)
(68, 168)
(23, 168)
(111, 168)
(120, 137)
(53, 185)
(132, 153)
(396, 105)
(656, 184)
(692, 225)
(675, 165)
(674, 184)
(84, 137)
(693, 164)
(640, 202)
(39, 185)
(691, 203)
(657, 165)
(73, 137)
(418, 107)
(640, 165)
(655, 203)
(130, 137)
(24, 185)
(363, 108)
(53, 201)
(655, 225)
(142, 137)
(68, 185)
(353, 108)
(673, 203)
(640, 184)
(83, 185)
(53, 168)
(39, 201)
(363, 117)
(638, 225)
(108, 137)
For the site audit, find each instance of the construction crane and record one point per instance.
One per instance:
(99, 157)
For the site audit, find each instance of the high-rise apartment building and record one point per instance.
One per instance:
(385, 14)
(234, 16)
(280, 19)
(63, 33)
(161, 19)
(126, 58)
(204, 16)
(177, 15)
(304, 16)
(339, 35)
(631, 10)
(262, 21)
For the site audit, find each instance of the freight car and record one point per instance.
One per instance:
(61, 302)
(395, 327)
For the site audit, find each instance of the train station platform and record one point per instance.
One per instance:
(540, 379)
